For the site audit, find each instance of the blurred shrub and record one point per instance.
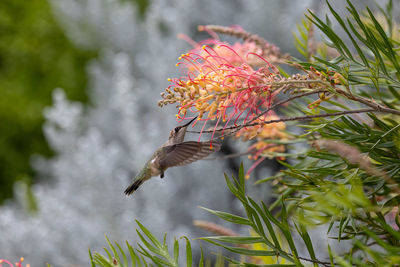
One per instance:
(141, 6)
(35, 57)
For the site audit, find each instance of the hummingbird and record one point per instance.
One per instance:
(174, 152)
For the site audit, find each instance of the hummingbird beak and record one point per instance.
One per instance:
(187, 124)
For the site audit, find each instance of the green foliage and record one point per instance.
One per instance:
(35, 58)
(302, 42)
(274, 232)
(376, 63)
(350, 177)
(150, 252)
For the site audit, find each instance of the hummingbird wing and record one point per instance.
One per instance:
(187, 152)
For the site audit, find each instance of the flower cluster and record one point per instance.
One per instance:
(220, 85)
(324, 80)
(17, 264)
(253, 44)
(264, 132)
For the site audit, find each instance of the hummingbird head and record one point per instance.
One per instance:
(178, 133)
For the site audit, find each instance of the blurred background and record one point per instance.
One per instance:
(79, 85)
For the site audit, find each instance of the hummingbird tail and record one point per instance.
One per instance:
(132, 188)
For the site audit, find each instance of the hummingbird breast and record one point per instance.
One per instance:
(154, 166)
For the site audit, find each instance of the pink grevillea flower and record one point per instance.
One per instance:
(220, 85)
(9, 264)
(247, 52)
(265, 134)
(253, 44)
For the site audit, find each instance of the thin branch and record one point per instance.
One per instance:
(315, 261)
(377, 107)
(262, 113)
(301, 82)
(286, 101)
(232, 155)
(310, 117)
(298, 118)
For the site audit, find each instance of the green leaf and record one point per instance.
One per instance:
(388, 228)
(286, 232)
(108, 254)
(229, 217)
(392, 202)
(339, 44)
(157, 260)
(242, 251)
(267, 222)
(103, 261)
(134, 257)
(237, 239)
(330, 255)
(125, 262)
(201, 262)
(149, 235)
(394, 92)
(241, 177)
(240, 263)
(144, 261)
(302, 230)
(147, 244)
(91, 259)
(116, 255)
(188, 252)
(270, 216)
(176, 251)
(234, 189)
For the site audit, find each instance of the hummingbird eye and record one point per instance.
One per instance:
(177, 129)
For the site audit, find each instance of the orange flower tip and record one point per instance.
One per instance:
(203, 47)
(247, 177)
(180, 35)
(21, 259)
(211, 146)
(222, 138)
(1, 261)
(200, 28)
(169, 79)
(28, 265)
(249, 156)
(177, 64)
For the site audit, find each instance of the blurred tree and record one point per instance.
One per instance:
(35, 57)
(141, 6)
